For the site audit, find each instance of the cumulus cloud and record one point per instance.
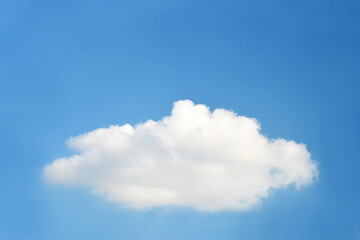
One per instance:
(209, 161)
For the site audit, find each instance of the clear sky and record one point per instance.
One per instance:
(69, 67)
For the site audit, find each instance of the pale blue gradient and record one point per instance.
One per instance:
(67, 67)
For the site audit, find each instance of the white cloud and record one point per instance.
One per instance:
(210, 161)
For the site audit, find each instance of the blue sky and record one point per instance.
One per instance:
(69, 67)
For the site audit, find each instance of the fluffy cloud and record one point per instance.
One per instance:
(210, 161)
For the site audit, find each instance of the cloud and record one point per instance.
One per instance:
(209, 161)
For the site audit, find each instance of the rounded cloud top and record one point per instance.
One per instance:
(209, 161)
